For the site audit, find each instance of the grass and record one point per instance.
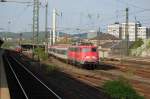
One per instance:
(51, 68)
(41, 53)
(121, 89)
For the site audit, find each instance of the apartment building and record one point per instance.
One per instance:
(115, 29)
(135, 30)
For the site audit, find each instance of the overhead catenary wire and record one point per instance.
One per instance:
(132, 5)
(20, 2)
(16, 18)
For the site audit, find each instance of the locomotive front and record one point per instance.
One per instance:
(89, 55)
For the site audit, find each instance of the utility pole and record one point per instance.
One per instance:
(46, 27)
(50, 37)
(35, 24)
(20, 39)
(126, 32)
(98, 36)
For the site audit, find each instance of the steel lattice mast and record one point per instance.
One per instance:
(35, 23)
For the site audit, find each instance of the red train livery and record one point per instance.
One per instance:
(84, 54)
(18, 49)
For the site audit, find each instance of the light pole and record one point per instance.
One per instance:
(126, 32)
(8, 30)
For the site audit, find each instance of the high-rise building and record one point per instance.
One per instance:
(142, 33)
(149, 32)
(132, 30)
(115, 29)
(135, 30)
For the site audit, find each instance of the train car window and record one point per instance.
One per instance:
(64, 52)
(58, 51)
(72, 49)
(93, 49)
(54, 50)
(86, 50)
(75, 49)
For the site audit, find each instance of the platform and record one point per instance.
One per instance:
(4, 90)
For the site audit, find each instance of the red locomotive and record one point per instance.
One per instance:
(18, 49)
(84, 55)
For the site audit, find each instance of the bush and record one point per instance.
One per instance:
(51, 68)
(137, 44)
(41, 53)
(148, 44)
(121, 89)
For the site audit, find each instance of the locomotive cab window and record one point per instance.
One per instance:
(86, 50)
(94, 50)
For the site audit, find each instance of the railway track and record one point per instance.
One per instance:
(60, 81)
(97, 77)
(23, 84)
(135, 68)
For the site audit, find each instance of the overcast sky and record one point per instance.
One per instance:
(83, 14)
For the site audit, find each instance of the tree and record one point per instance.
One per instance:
(137, 44)
(40, 52)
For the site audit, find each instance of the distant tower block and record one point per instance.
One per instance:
(54, 26)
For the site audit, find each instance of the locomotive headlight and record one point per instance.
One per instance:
(87, 57)
(93, 57)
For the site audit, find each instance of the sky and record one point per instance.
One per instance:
(74, 15)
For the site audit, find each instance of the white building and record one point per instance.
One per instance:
(135, 30)
(132, 30)
(142, 33)
(115, 29)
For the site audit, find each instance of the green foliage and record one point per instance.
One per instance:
(7, 45)
(51, 68)
(41, 53)
(121, 89)
(148, 44)
(65, 41)
(137, 44)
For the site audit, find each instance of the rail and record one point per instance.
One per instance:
(31, 74)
